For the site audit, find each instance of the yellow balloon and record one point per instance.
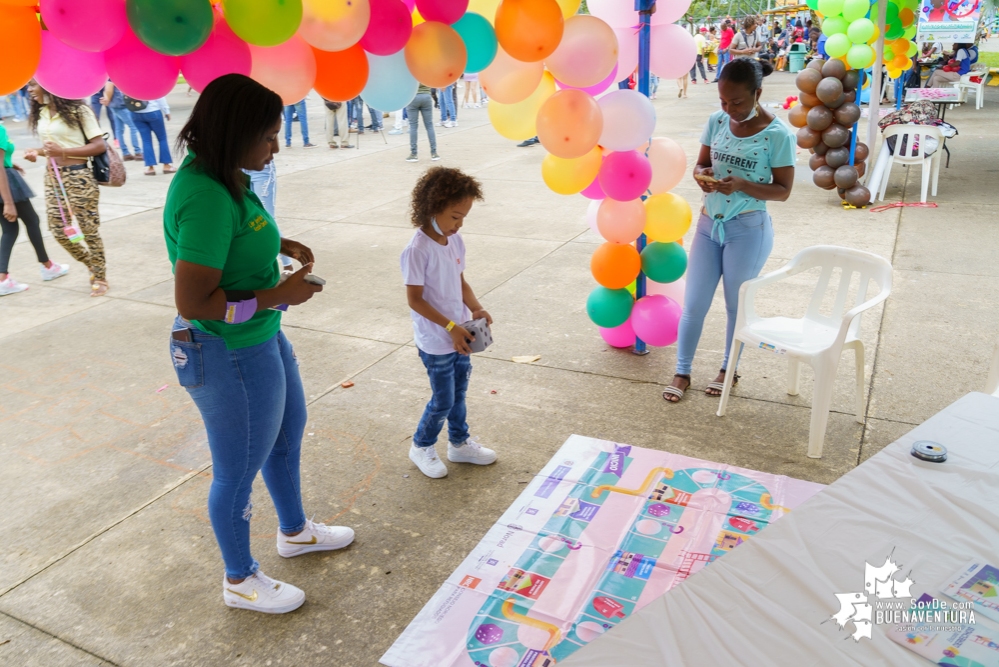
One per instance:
(875, 36)
(519, 121)
(667, 217)
(417, 17)
(486, 8)
(569, 7)
(569, 177)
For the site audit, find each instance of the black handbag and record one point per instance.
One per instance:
(133, 104)
(332, 106)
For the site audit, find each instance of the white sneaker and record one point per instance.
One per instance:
(261, 593)
(471, 451)
(314, 537)
(439, 124)
(427, 461)
(11, 286)
(55, 271)
(395, 131)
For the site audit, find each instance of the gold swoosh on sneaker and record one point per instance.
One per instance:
(251, 598)
(312, 541)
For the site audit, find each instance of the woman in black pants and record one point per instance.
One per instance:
(15, 198)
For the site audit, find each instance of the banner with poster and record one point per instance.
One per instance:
(948, 21)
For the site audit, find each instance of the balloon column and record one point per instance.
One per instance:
(851, 32)
(826, 118)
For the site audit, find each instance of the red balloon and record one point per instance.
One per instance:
(341, 75)
(445, 11)
(389, 28)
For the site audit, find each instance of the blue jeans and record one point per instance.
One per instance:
(445, 98)
(122, 118)
(148, 124)
(423, 105)
(303, 121)
(724, 57)
(253, 405)
(376, 116)
(263, 183)
(748, 240)
(449, 374)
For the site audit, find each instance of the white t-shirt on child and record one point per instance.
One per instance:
(438, 269)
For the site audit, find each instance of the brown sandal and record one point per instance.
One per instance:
(99, 288)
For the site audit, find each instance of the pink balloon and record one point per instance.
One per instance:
(625, 175)
(627, 51)
(445, 11)
(669, 164)
(139, 71)
(656, 319)
(289, 69)
(68, 72)
(621, 336)
(94, 25)
(410, 5)
(595, 192)
(674, 290)
(597, 88)
(673, 51)
(621, 13)
(389, 29)
(670, 11)
(621, 221)
(223, 53)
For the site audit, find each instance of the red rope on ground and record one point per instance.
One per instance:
(901, 204)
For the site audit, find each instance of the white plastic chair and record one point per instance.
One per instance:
(992, 384)
(965, 85)
(815, 339)
(911, 154)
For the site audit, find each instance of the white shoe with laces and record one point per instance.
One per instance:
(314, 537)
(55, 271)
(427, 461)
(470, 451)
(10, 286)
(261, 593)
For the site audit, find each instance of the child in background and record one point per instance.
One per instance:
(433, 266)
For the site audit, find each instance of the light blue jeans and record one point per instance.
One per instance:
(253, 405)
(123, 119)
(724, 57)
(303, 121)
(445, 100)
(422, 105)
(263, 183)
(748, 240)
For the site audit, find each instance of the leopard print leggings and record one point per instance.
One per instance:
(83, 193)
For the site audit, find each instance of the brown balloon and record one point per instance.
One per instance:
(851, 80)
(858, 195)
(842, 193)
(835, 136)
(829, 90)
(809, 100)
(850, 96)
(807, 79)
(808, 138)
(816, 161)
(838, 102)
(823, 177)
(847, 115)
(820, 148)
(861, 168)
(837, 157)
(815, 64)
(834, 68)
(819, 118)
(862, 152)
(798, 115)
(845, 177)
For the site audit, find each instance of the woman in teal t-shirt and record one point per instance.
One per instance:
(746, 160)
(227, 346)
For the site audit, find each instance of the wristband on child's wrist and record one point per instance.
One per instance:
(450, 325)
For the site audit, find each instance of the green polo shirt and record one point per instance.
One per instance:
(203, 224)
(7, 147)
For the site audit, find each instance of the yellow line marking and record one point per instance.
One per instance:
(554, 634)
(767, 505)
(643, 490)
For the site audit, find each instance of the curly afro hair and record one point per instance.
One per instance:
(439, 188)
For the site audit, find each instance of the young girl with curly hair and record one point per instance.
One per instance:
(433, 266)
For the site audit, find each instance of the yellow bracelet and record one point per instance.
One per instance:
(450, 325)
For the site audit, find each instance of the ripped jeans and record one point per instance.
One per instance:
(253, 405)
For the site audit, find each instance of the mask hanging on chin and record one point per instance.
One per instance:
(433, 223)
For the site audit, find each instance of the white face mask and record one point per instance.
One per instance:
(752, 114)
(433, 223)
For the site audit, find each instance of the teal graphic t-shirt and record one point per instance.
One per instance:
(752, 158)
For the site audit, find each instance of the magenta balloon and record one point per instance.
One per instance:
(620, 336)
(595, 192)
(445, 11)
(673, 51)
(656, 319)
(223, 53)
(139, 71)
(625, 175)
(94, 25)
(410, 5)
(389, 29)
(68, 72)
(595, 89)
(627, 51)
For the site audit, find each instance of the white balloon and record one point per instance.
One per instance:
(629, 120)
(591, 215)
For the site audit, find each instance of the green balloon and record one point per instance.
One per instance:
(891, 13)
(263, 22)
(910, 32)
(834, 25)
(480, 40)
(664, 262)
(831, 8)
(861, 31)
(894, 30)
(860, 56)
(173, 27)
(888, 54)
(913, 50)
(609, 308)
(813, 4)
(855, 9)
(837, 46)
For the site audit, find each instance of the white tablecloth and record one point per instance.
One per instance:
(765, 603)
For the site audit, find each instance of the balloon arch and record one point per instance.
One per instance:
(541, 64)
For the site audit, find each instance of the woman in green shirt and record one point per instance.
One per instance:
(227, 346)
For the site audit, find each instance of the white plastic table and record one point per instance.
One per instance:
(765, 603)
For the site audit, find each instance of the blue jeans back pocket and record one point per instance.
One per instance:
(187, 362)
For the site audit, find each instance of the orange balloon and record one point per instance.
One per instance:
(509, 81)
(900, 61)
(22, 46)
(615, 265)
(341, 75)
(570, 123)
(529, 30)
(906, 16)
(435, 54)
(19, 3)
